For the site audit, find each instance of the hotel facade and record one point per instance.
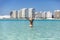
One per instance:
(13, 14)
(49, 15)
(31, 13)
(57, 14)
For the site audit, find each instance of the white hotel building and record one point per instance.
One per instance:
(49, 15)
(31, 13)
(23, 13)
(57, 14)
(26, 13)
(19, 14)
(38, 15)
(44, 15)
(13, 14)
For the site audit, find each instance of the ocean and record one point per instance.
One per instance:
(20, 30)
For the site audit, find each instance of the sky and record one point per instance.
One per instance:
(40, 5)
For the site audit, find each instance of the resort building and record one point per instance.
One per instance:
(13, 14)
(38, 15)
(24, 12)
(19, 14)
(49, 15)
(31, 13)
(44, 15)
(57, 14)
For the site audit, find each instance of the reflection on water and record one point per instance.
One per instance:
(20, 30)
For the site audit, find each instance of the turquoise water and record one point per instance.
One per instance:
(20, 30)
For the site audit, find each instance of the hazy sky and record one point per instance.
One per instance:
(40, 5)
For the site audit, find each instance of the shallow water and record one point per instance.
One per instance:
(20, 30)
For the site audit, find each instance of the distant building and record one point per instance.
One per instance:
(19, 14)
(13, 14)
(49, 15)
(31, 13)
(44, 15)
(38, 15)
(57, 14)
(24, 13)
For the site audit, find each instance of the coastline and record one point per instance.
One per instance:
(28, 20)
